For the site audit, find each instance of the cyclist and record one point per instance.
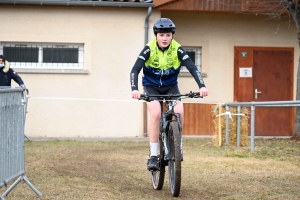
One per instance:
(161, 60)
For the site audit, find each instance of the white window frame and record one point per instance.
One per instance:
(40, 64)
(197, 51)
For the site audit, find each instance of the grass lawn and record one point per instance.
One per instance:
(117, 170)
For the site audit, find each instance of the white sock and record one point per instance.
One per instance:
(153, 149)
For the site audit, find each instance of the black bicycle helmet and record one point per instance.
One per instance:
(164, 25)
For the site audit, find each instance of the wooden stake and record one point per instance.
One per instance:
(220, 127)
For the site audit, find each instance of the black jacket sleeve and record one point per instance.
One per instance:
(16, 77)
(189, 64)
(139, 64)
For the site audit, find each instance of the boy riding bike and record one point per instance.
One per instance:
(161, 60)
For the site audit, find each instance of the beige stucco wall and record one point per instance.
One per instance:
(113, 38)
(98, 104)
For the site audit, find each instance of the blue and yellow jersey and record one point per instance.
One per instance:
(161, 67)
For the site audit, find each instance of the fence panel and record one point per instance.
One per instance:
(12, 154)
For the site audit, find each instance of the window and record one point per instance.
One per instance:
(43, 55)
(60, 55)
(195, 54)
(21, 54)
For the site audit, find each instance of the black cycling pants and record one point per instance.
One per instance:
(151, 90)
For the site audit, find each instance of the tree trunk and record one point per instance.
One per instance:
(297, 117)
(292, 7)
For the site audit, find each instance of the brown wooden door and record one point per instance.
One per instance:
(272, 78)
(271, 73)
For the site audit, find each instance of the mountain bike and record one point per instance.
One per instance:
(170, 143)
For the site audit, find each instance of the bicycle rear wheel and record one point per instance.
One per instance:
(174, 138)
(158, 176)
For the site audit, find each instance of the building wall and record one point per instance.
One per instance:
(76, 105)
(98, 104)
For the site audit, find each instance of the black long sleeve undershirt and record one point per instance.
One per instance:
(137, 67)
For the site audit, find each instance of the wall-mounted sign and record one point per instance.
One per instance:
(244, 54)
(245, 72)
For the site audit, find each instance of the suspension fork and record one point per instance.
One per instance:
(166, 118)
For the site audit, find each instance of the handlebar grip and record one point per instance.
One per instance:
(197, 95)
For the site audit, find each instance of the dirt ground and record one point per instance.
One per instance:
(72, 169)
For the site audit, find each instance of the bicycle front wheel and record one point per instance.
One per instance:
(174, 140)
(158, 176)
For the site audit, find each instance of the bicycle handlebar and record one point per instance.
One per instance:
(191, 94)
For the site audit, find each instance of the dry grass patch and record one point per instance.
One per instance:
(117, 170)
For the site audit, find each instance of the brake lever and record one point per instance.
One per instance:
(191, 94)
(195, 95)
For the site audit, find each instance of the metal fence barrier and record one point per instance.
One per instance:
(252, 105)
(13, 103)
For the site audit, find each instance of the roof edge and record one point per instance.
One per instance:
(76, 3)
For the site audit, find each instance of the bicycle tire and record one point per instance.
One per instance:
(158, 177)
(174, 168)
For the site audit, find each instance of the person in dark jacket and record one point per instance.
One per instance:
(6, 74)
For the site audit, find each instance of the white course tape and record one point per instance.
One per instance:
(82, 99)
(229, 114)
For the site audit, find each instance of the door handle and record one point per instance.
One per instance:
(256, 92)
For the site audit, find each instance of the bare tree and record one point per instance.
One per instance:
(273, 9)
